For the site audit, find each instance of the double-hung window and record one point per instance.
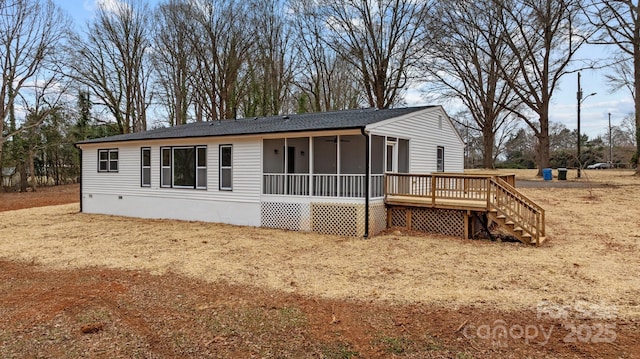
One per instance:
(108, 160)
(226, 167)
(145, 167)
(183, 167)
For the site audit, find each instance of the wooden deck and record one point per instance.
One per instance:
(442, 203)
(494, 196)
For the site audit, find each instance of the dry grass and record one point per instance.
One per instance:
(591, 256)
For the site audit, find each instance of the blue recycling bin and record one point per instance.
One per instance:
(547, 174)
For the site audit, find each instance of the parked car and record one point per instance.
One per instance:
(599, 166)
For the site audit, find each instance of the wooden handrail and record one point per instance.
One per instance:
(533, 226)
(513, 189)
(495, 192)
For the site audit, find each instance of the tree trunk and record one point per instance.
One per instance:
(488, 141)
(1, 153)
(636, 100)
(543, 155)
(32, 169)
(23, 177)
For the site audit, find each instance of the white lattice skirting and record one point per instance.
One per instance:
(377, 217)
(342, 219)
(291, 216)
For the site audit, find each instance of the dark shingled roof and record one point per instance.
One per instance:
(349, 119)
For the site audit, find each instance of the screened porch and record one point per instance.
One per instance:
(330, 166)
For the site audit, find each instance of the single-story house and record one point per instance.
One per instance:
(10, 176)
(321, 172)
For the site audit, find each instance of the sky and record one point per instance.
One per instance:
(594, 109)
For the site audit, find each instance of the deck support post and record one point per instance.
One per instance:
(408, 218)
(466, 224)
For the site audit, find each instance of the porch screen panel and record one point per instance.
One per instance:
(273, 181)
(325, 151)
(377, 153)
(298, 155)
(273, 155)
(352, 166)
(377, 166)
(403, 156)
(297, 166)
(352, 154)
(325, 166)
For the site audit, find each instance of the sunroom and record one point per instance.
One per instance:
(331, 165)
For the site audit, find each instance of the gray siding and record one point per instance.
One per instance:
(425, 135)
(120, 193)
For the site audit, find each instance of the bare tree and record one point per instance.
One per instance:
(621, 76)
(31, 35)
(173, 59)
(381, 39)
(325, 81)
(112, 60)
(619, 21)
(270, 72)
(544, 38)
(464, 62)
(628, 129)
(221, 42)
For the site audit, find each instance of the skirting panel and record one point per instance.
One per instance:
(338, 219)
(430, 220)
(398, 217)
(377, 218)
(291, 216)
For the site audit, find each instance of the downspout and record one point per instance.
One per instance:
(367, 178)
(80, 177)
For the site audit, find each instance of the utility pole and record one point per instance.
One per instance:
(580, 100)
(579, 97)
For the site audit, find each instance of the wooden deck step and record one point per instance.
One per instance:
(500, 203)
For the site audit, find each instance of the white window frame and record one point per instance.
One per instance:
(144, 167)
(222, 168)
(440, 159)
(163, 167)
(111, 153)
(198, 168)
(171, 167)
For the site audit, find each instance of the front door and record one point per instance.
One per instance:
(392, 165)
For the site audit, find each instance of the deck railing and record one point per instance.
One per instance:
(291, 184)
(322, 185)
(517, 208)
(490, 191)
(377, 186)
(437, 186)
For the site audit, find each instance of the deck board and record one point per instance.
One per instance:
(444, 203)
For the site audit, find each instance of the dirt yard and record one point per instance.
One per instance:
(80, 285)
(44, 196)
